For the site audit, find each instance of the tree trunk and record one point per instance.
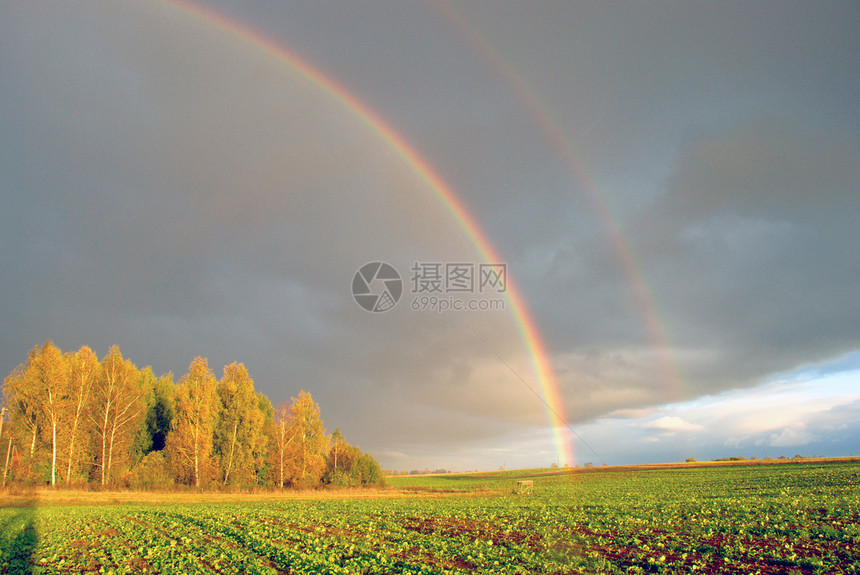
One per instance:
(71, 451)
(283, 448)
(110, 449)
(232, 449)
(78, 411)
(6, 467)
(53, 452)
(104, 441)
(304, 456)
(281, 482)
(32, 451)
(196, 434)
(33, 443)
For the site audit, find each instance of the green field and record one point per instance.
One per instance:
(789, 518)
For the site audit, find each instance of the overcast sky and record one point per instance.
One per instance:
(674, 188)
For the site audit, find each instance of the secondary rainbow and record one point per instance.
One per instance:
(519, 310)
(542, 117)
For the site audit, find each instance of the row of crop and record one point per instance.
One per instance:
(296, 538)
(679, 522)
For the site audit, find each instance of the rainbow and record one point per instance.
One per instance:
(542, 118)
(525, 323)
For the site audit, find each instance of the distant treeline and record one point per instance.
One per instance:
(75, 420)
(425, 471)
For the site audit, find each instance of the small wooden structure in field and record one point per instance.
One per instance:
(525, 487)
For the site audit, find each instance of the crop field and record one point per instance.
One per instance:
(789, 518)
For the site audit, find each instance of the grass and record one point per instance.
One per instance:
(45, 497)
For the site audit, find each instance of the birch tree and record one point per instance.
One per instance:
(239, 437)
(282, 436)
(83, 371)
(25, 414)
(189, 443)
(117, 409)
(310, 444)
(48, 375)
(338, 449)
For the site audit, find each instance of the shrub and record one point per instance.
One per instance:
(153, 471)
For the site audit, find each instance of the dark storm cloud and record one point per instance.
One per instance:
(752, 236)
(171, 188)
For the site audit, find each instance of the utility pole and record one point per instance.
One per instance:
(8, 448)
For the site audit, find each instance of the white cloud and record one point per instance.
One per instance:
(672, 423)
(796, 435)
(734, 442)
(631, 413)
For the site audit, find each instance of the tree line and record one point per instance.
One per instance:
(72, 419)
